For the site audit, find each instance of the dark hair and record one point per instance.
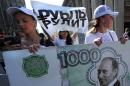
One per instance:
(41, 35)
(48, 42)
(128, 34)
(69, 40)
(45, 41)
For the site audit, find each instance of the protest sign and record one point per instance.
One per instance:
(54, 18)
(26, 69)
(76, 65)
(84, 65)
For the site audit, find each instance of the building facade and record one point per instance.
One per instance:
(6, 22)
(127, 14)
(90, 5)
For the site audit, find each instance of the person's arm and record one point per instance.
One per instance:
(33, 48)
(123, 39)
(98, 41)
(90, 38)
(74, 35)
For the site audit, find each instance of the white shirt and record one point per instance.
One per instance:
(59, 42)
(108, 36)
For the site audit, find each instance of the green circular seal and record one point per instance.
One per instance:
(35, 66)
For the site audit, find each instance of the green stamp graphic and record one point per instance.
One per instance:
(35, 66)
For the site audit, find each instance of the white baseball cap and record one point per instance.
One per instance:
(103, 10)
(12, 10)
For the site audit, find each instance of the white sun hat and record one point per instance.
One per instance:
(12, 10)
(103, 10)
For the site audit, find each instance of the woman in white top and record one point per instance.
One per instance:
(63, 39)
(100, 30)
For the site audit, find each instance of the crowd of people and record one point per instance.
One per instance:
(28, 38)
(100, 31)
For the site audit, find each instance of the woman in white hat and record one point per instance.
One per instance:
(100, 31)
(27, 22)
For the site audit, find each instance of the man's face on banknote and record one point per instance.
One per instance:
(105, 73)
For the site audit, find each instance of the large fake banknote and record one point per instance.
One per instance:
(75, 65)
(89, 65)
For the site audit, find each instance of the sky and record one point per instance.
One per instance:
(53, 2)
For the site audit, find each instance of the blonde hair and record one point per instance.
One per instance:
(94, 23)
(93, 26)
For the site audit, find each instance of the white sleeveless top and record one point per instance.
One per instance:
(109, 36)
